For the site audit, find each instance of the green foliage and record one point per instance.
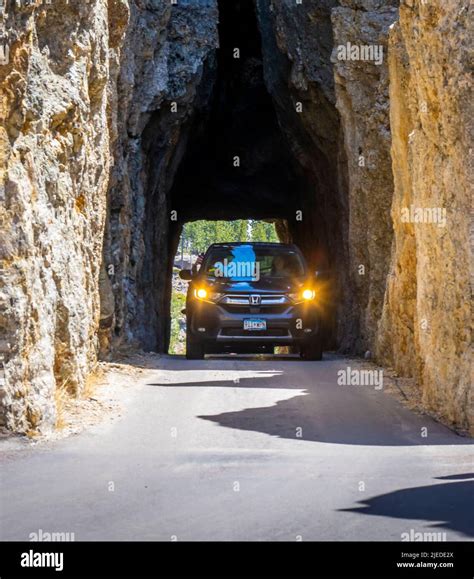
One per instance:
(178, 302)
(198, 235)
(263, 231)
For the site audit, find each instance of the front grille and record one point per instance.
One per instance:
(245, 299)
(253, 310)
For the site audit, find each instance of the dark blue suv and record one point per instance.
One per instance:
(251, 297)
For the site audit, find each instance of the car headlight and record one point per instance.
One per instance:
(205, 295)
(200, 293)
(307, 294)
(304, 295)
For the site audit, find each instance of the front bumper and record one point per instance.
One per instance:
(292, 324)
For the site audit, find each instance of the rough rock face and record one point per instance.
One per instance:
(425, 330)
(404, 286)
(297, 42)
(54, 172)
(341, 138)
(362, 101)
(73, 104)
(166, 75)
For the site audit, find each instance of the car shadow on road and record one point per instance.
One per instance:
(325, 412)
(447, 505)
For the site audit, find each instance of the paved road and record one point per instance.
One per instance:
(211, 450)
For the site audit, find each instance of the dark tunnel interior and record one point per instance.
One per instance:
(237, 164)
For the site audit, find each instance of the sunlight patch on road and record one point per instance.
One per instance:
(170, 377)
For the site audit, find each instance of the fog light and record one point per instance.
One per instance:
(201, 329)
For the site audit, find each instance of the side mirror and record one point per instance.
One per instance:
(186, 274)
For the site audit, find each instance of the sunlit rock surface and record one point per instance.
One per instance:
(54, 177)
(425, 330)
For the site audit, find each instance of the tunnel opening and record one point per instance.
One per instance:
(235, 154)
(195, 238)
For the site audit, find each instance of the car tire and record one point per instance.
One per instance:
(313, 348)
(268, 350)
(194, 346)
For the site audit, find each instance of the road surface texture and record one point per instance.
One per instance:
(235, 448)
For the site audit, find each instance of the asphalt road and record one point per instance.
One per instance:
(244, 449)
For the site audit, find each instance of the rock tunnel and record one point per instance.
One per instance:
(241, 146)
(122, 123)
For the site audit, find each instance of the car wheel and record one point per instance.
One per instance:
(194, 348)
(268, 350)
(313, 348)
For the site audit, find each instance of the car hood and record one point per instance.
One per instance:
(264, 285)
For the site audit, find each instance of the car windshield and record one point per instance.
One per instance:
(250, 263)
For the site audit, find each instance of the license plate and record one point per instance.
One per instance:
(255, 324)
